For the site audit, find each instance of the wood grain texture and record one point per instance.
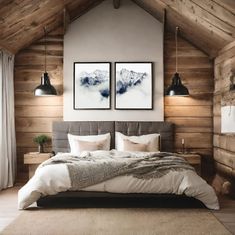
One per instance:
(34, 115)
(209, 25)
(36, 158)
(22, 22)
(193, 115)
(224, 144)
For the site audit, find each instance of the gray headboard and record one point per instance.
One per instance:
(61, 129)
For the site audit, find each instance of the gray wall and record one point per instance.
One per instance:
(107, 34)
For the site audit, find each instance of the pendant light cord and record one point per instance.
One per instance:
(176, 48)
(45, 44)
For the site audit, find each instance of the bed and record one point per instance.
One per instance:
(108, 195)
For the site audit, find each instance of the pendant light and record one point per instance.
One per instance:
(45, 88)
(176, 88)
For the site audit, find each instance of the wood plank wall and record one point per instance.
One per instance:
(192, 115)
(224, 144)
(34, 115)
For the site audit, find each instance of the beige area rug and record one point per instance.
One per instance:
(96, 221)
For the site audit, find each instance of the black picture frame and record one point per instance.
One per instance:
(135, 104)
(87, 86)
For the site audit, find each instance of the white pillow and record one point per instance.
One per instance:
(74, 146)
(151, 140)
(136, 147)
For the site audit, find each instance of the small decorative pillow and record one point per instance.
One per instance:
(151, 140)
(132, 146)
(74, 145)
(90, 146)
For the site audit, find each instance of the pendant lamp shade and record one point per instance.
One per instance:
(45, 88)
(176, 88)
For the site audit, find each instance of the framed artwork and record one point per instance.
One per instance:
(91, 85)
(134, 85)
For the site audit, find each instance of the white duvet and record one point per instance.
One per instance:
(52, 179)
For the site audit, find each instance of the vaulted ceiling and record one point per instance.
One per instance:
(208, 24)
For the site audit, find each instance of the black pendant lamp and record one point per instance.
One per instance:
(176, 88)
(45, 88)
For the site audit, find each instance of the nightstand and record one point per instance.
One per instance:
(193, 159)
(34, 159)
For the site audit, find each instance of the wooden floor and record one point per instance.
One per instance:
(8, 206)
(8, 209)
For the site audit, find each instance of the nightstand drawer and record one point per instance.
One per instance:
(36, 158)
(33, 160)
(194, 159)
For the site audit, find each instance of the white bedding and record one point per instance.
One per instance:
(52, 179)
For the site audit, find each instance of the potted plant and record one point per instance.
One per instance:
(41, 140)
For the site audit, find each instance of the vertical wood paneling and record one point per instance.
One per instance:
(34, 115)
(192, 116)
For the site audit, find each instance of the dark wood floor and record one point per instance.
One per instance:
(8, 209)
(226, 215)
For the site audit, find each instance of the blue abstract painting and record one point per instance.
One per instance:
(91, 85)
(133, 85)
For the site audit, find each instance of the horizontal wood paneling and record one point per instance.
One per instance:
(224, 157)
(194, 140)
(28, 99)
(39, 111)
(224, 144)
(188, 111)
(35, 124)
(34, 115)
(193, 115)
(194, 99)
(27, 141)
(191, 125)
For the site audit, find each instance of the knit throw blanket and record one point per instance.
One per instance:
(94, 167)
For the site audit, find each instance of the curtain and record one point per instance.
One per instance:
(7, 121)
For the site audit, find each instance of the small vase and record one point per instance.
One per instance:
(40, 148)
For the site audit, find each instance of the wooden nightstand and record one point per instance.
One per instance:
(34, 159)
(193, 159)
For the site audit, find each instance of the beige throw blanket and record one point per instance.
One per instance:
(94, 167)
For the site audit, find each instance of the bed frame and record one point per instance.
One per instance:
(103, 199)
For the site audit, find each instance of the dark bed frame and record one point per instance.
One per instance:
(104, 199)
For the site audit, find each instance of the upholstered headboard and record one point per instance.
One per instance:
(61, 129)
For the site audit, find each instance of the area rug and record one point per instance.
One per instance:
(129, 221)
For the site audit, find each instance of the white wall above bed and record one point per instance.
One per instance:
(107, 34)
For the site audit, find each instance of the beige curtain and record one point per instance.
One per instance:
(7, 121)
